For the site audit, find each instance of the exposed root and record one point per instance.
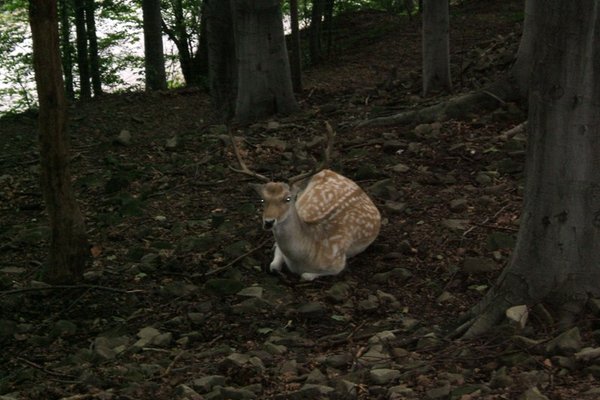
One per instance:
(497, 93)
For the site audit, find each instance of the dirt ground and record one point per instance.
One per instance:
(177, 303)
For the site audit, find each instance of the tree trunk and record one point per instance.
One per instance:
(436, 47)
(521, 69)
(85, 90)
(154, 57)
(295, 53)
(222, 63)
(328, 25)
(90, 23)
(264, 80)
(69, 246)
(201, 64)
(557, 254)
(314, 38)
(67, 53)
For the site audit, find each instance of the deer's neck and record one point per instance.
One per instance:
(292, 236)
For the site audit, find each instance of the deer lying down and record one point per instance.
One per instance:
(318, 229)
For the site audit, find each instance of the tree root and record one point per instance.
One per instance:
(497, 93)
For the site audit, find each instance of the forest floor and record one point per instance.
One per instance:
(177, 303)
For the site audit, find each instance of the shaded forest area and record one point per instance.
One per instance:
(177, 303)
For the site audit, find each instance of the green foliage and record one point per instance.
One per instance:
(16, 79)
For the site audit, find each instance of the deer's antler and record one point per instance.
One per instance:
(243, 168)
(326, 157)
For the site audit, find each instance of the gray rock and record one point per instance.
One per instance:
(382, 337)
(445, 297)
(184, 392)
(518, 315)
(251, 291)
(398, 274)
(384, 376)
(384, 189)
(458, 205)
(400, 392)
(149, 262)
(438, 392)
(313, 309)
(387, 299)
(369, 304)
(564, 362)
(252, 305)
(233, 393)
(456, 224)
(400, 168)
(533, 394)
(475, 265)
(537, 378)
(124, 138)
(339, 292)
(375, 357)
(483, 179)
(163, 339)
(395, 206)
(275, 143)
(500, 379)
(207, 383)
(423, 129)
(339, 361)
(275, 349)
(63, 328)
(500, 240)
(346, 390)
(172, 143)
(310, 389)
(317, 377)
(594, 306)
(566, 343)
(588, 354)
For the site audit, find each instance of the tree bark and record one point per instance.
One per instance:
(90, 24)
(264, 79)
(67, 52)
(436, 47)
(85, 89)
(557, 254)
(314, 38)
(154, 57)
(222, 63)
(295, 53)
(68, 246)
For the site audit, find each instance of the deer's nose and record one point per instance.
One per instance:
(268, 223)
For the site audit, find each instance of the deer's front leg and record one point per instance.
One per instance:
(278, 260)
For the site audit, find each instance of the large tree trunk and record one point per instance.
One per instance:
(521, 70)
(67, 53)
(90, 24)
(557, 255)
(222, 63)
(68, 247)
(295, 53)
(436, 47)
(264, 80)
(85, 89)
(154, 57)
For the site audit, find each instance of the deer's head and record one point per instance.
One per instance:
(278, 202)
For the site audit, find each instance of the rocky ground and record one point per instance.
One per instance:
(176, 302)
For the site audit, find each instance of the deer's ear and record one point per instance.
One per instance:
(257, 188)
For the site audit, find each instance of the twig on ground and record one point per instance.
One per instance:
(66, 287)
(228, 265)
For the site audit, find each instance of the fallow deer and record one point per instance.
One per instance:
(318, 228)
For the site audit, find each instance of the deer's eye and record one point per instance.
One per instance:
(288, 199)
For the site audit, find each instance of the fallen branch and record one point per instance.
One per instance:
(66, 287)
(228, 265)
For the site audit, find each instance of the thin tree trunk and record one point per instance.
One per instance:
(69, 246)
(314, 39)
(295, 53)
(201, 64)
(85, 89)
(90, 23)
(154, 57)
(328, 25)
(436, 47)
(67, 52)
(222, 63)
